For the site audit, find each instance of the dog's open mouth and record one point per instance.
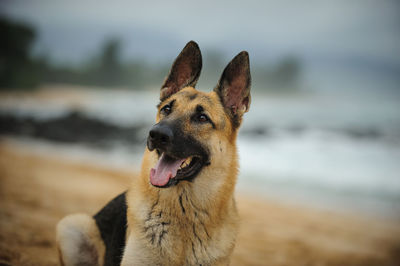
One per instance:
(169, 170)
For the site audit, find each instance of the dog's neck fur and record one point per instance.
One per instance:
(189, 211)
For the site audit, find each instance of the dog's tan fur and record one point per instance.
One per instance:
(201, 215)
(193, 222)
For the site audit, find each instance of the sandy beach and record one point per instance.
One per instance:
(36, 191)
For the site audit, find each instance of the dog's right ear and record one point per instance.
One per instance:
(185, 71)
(233, 87)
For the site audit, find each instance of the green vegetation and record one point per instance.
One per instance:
(284, 76)
(17, 68)
(20, 69)
(105, 70)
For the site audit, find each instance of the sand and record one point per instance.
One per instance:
(37, 190)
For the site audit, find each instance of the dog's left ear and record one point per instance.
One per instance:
(185, 71)
(234, 85)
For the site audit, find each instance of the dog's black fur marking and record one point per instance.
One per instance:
(111, 221)
(180, 202)
(192, 96)
(180, 145)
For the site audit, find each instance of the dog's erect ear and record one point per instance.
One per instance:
(185, 71)
(234, 85)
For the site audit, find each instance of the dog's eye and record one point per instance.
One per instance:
(166, 110)
(203, 118)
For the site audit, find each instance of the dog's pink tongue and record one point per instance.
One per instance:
(164, 170)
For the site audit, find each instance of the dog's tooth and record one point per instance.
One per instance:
(184, 164)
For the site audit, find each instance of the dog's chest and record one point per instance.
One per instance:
(183, 237)
(181, 232)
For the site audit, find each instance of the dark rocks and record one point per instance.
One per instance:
(74, 127)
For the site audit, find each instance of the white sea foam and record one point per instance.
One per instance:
(294, 147)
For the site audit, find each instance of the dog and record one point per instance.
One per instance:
(180, 209)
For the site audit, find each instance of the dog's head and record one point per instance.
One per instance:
(196, 131)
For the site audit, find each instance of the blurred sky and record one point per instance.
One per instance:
(358, 35)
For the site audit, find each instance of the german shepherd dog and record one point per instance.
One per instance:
(180, 209)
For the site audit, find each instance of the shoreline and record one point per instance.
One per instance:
(323, 199)
(38, 189)
(328, 201)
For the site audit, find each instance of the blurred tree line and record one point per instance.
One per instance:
(17, 68)
(105, 70)
(20, 69)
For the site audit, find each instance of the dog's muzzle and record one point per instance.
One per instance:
(160, 137)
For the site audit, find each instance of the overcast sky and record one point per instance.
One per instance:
(342, 44)
(367, 29)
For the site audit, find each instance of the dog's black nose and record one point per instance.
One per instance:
(160, 136)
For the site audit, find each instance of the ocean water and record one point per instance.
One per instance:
(340, 151)
(327, 150)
